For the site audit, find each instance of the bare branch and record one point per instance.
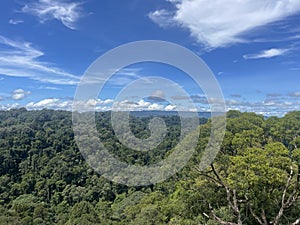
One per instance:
(217, 175)
(264, 218)
(296, 222)
(219, 220)
(236, 208)
(286, 203)
(255, 216)
(211, 178)
(230, 196)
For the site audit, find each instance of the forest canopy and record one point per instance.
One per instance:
(45, 180)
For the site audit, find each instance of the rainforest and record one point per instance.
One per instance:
(45, 180)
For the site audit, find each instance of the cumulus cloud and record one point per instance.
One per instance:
(56, 103)
(49, 102)
(269, 53)
(127, 105)
(155, 106)
(9, 106)
(270, 106)
(170, 108)
(19, 94)
(21, 59)
(221, 23)
(68, 13)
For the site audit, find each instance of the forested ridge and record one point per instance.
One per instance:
(45, 180)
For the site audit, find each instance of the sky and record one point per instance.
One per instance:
(252, 47)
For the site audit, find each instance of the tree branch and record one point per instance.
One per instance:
(264, 218)
(296, 222)
(291, 199)
(230, 196)
(255, 216)
(218, 219)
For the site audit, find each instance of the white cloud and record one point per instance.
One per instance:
(9, 106)
(15, 21)
(49, 102)
(21, 59)
(106, 101)
(276, 107)
(269, 53)
(170, 107)
(95, 104)
(49, 88)
(127, 105)
(56, 103)
(221, 23)
(162, 17)
(66, 12)
(19, 94)
(155, 106)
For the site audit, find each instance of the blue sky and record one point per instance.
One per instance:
(251, 46)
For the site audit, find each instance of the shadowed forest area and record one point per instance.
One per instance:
(254, 179)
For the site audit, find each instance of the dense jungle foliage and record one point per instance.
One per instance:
(45, 180)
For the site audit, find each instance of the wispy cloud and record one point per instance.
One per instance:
(125, 76)
(218, 24)
(295, 94)
(162, 17)
(235, 95)
(157, 96)
(21, 59)
(295, 68)
(15, 21)
(66, 12)
(49, 88)
(19, 94)
(118, 78)
(269, 53)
